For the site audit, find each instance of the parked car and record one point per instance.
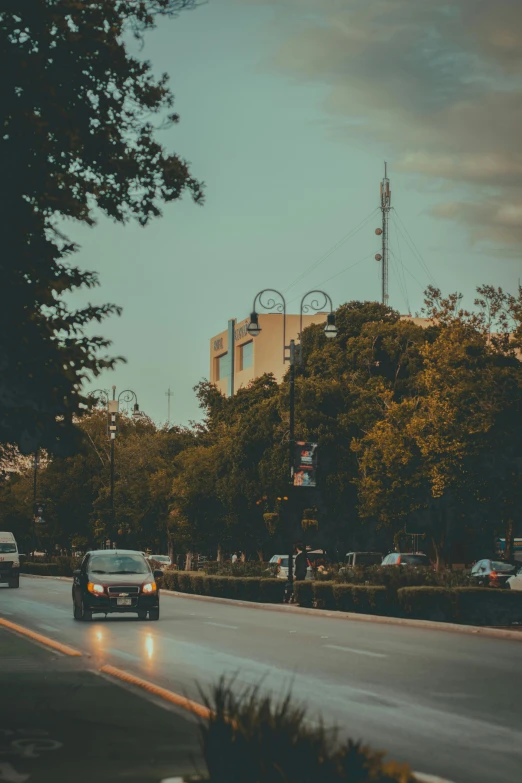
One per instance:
(163, 559)
(407, 558)
(515, 582)
(316, 559)
(493, 573)
(354, 559)
(115, 581)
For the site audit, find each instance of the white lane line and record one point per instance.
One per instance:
(47, 627)
(222, 625)
(4, 611)
(353, 650)
(122, 654)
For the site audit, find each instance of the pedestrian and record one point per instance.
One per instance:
(300, 563)
(234, 558)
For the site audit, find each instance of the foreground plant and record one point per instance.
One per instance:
(250, 738)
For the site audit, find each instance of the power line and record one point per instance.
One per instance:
(401, 278)
(413, 247)
(337, 274)
(332, 250)
(409, 272)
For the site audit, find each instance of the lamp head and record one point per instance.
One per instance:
(330, 329)
(253, 327)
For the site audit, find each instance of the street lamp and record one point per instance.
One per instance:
(313, 301)
(113, 408)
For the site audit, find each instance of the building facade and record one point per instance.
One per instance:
(236, 358)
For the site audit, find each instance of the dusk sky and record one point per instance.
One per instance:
(288, 110)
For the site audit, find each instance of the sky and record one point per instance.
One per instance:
(288, 111)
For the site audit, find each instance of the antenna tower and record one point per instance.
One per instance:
(383, 232)
(168, 394)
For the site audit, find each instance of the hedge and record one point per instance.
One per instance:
(253, 589)
(41, 569)
(487, 606)
(427, 603)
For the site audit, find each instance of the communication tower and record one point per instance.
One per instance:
(383, 232)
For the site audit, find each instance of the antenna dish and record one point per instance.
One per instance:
(378, 231)
(378, 257)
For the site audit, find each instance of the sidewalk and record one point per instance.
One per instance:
(60, 722)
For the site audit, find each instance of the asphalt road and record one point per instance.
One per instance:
(447, 703)
(61, 722)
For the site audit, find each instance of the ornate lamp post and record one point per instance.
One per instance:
(113, 408)
(314, 301)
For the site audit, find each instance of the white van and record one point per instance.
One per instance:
(9, 560)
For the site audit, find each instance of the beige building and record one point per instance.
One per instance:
(236, 358)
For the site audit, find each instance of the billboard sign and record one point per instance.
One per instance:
(305, 464)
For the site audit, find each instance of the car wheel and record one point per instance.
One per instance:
(142, 614)
(86, 613)
(77, 611)
(154, 614)
(14, 582)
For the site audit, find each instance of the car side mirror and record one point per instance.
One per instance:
(158, 574)
(77, 572)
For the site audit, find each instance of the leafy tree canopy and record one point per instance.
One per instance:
(78, 136)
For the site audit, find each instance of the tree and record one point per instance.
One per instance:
(450, 458)
(78, 137)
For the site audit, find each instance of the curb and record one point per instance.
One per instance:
(474, 630)
(40, 638)
(419, 776)
(429, 625)
(41, 576)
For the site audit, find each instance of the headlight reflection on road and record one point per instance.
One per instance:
(99, 636)
(149, 646)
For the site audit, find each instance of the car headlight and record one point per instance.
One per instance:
(149, 587)
(94, 588)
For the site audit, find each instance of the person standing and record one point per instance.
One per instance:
(234, 558)
(300, 563)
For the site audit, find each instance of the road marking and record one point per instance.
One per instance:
(47, 627)
(222, 625)
(163, 693)
(353, 650)
(37, 637)
(4, 611)
(122, 654)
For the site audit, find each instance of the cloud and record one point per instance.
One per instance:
(439, 85)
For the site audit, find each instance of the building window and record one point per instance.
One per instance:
(246, 355)
(222, 367)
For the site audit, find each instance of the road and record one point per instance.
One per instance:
(447, 703)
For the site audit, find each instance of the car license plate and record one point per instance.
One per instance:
(124, 601)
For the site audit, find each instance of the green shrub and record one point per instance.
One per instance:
(170, 580)
(197, 583)
(185, 582)
(248, 589)
(303, 592)
(272, 590)
(427, 603)
(324, 595)
(250, 738)
(488, 606)
(222, 586)
(40, 569)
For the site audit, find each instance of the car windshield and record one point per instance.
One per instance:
(415, 560)
(7, 549)
(498, 565)
(119, 564)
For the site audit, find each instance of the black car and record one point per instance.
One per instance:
(493, 573)
(117, 581)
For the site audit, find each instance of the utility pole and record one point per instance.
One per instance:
(385, 210)
(35, 491)
(168, 394)
(291, 457)
(113, 407)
